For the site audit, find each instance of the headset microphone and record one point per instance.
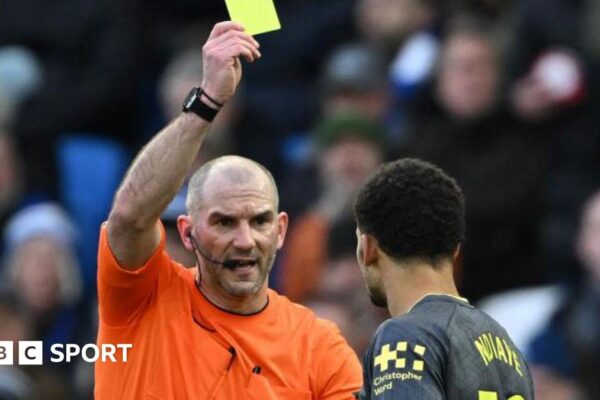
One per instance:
(229, 264)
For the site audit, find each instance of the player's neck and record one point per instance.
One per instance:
(405, 285)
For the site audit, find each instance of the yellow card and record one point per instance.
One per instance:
(257, 16)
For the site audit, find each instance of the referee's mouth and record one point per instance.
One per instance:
(242, 265)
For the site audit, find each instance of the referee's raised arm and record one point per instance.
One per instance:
(158, 171)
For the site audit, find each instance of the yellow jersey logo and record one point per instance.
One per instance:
(396, 357)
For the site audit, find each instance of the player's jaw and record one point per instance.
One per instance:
(377, 297)
(375, 288)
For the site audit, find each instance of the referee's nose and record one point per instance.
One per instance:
(243, 238)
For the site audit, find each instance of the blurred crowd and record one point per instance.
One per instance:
(503, 95)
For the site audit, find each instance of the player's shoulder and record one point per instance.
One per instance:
(408, 329)
(429, 322)
(407, 349)
(432, 315)
(467, 318)
(453, 315)
(440, 306)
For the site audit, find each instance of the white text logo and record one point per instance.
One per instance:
(32, 352)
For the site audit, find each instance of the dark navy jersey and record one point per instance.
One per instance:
(444, 348)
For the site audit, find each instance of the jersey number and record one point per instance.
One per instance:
(484, 395)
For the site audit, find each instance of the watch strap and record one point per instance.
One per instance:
(199, 108)
(195, 104)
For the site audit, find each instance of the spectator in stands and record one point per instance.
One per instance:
(89, 53)
(353, 80)
(20, 76)
(407, 33)
(389, 23)
(498, 164)
(18, 382)
(41, 271)
(15, 325)
(565, 356)
(10, 178)
(555, 87)
(468, 76)
(14, 383)
(351, 147)
(340, 276)
(280, 94)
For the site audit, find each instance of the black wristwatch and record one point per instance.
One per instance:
(194, 103)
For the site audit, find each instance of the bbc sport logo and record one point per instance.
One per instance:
(32, 352)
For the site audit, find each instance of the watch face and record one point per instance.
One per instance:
(190, 99)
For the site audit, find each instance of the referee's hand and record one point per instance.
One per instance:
(221, 54)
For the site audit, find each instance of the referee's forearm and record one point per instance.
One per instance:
(158, 171)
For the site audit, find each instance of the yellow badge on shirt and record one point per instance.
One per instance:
(395, 357)
(257, 16)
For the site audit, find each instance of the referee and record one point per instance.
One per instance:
(411, 224)
(216, 331)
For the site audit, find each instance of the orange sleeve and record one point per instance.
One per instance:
(338, 370)
(124, 295)
(304, 256)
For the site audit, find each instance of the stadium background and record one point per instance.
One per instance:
(504, 95)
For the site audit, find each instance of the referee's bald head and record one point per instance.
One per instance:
(229, 170)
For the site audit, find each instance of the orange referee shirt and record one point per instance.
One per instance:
(184, 347)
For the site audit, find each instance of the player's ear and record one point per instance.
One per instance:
(370, 249)
(456, 253)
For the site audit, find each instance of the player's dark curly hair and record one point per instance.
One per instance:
(413, 209)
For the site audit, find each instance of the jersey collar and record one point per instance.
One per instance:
(439, 296)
